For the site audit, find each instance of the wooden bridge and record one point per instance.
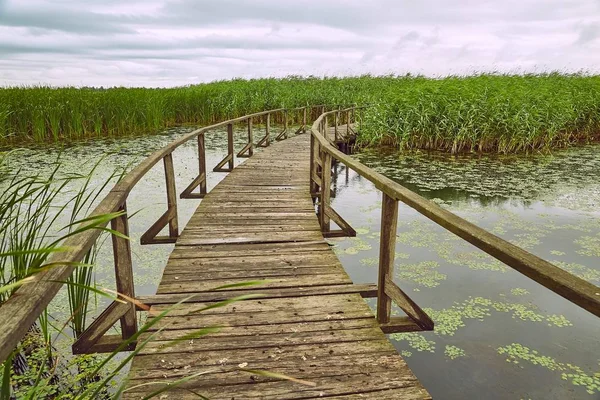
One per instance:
(306, 323)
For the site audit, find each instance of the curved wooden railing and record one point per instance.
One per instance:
(22, 309)
(323, 151)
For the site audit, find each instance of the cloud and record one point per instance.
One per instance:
(588, 33)
(172, 42)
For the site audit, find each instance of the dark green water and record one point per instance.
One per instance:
(498, 335)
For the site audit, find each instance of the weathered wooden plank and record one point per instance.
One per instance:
(324, 386)
(302, 280)
(364, 290)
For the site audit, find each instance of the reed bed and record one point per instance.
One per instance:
(492, 113)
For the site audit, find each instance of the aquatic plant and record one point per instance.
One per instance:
(517, 353)
(499, 113)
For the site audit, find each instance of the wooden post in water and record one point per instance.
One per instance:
(202, 162)
(171, 195)
(387, 250)
(124, 270)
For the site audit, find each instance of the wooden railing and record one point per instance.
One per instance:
(22, 309)
(324, 151)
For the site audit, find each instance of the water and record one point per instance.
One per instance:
(498, 334)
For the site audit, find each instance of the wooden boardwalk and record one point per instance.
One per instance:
(312, 323)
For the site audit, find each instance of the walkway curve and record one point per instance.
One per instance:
(312, 323)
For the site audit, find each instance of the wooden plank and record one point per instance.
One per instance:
(341, 385)
(191, 287)
(364, 290)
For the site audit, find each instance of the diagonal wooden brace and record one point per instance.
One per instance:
(85, 343)
(188, 191)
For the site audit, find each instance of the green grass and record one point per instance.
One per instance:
(504, 113)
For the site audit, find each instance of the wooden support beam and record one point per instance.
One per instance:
(336, 121)
(201, 178)
(400, 325)
(230, 153)
(325, 192)
(188, 191)
(150, 236)
(412, 310)
(248, 149)
(265, 141)
(387, 249)
(124, 270)
(171, 195)
(345, 227)
(304, 119)
(106, 320)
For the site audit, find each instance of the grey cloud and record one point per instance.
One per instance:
(63, 19)
(588, 33)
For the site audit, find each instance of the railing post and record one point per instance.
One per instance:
(325, 191)
(285, 123)
(124, 270)
(336, 120)
(313, 168)
(387, 250)
(250, 138)
(304, 120)
(171, 195)
(230, 150)
(202, 162)
(268, 130)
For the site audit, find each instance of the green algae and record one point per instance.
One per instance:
(590, 245)
(454, 352)
(517, 353)
(423, 274)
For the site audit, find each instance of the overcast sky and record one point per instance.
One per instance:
(179, 42)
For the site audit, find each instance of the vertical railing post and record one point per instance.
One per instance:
(285, 123)
(124, 269)
(230, 150)
(250, 138)
(387, 250)
(360, 122)
(326, 127)
(304, 120)
(202, 162)
(268, 130)
(336, 120)
(325, 191)
(313, 169)
(171, 196)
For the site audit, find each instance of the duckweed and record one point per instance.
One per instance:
(517, 353)
(454, 352)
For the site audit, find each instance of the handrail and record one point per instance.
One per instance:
(25, 305)
(576, 290)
